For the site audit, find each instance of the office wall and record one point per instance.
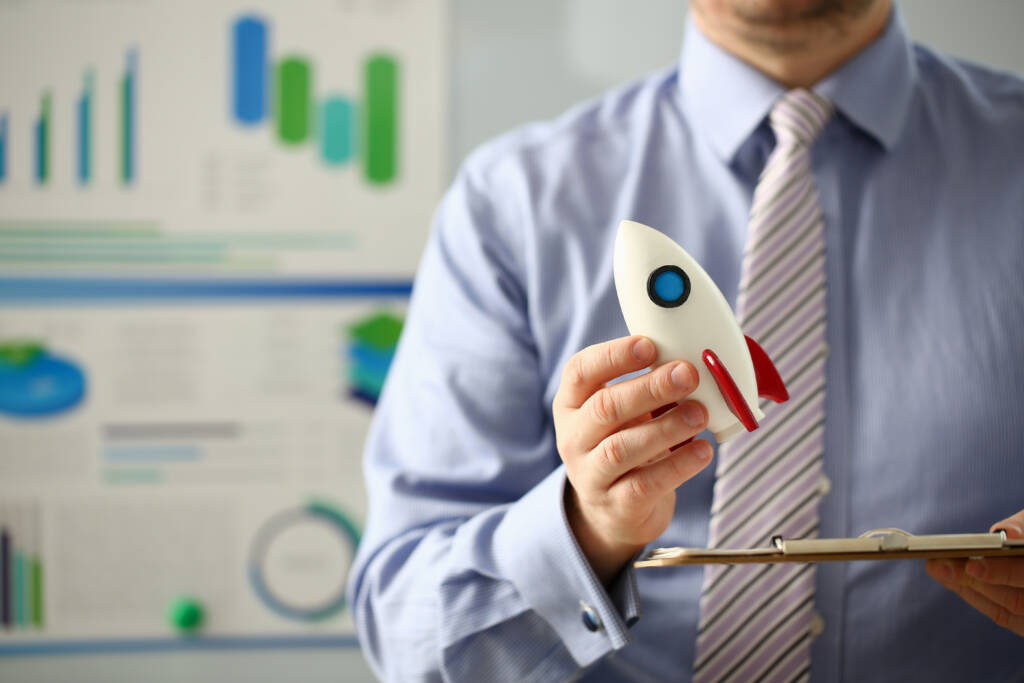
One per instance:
(512, 62)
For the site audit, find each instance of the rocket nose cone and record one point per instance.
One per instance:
(636, 243)
(630, 231)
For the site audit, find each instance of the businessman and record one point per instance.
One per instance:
(859, 199)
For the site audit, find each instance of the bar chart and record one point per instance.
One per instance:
(84, 106)
(21, 568)
(284, 90)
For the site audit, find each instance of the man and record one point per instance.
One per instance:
(510, 487)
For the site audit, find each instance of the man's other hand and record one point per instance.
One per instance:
(995, 585)
(623, 447)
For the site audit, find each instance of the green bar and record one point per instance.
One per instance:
(294, 105)
(126, 120)
(380, 163)
(36, 568)
(20, 590)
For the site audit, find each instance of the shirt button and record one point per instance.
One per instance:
(590, 617)
(824, 486)
(817, 625)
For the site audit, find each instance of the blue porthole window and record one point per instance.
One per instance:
(668, 286)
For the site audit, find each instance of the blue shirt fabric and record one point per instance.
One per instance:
(468, 569)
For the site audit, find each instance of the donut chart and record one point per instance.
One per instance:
(299, 561)
(35, 383)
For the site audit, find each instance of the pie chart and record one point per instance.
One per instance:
(36, 383)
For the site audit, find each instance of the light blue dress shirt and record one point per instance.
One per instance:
(468, 570)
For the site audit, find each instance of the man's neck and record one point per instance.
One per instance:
(796, 57)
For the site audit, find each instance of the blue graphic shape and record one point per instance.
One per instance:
(250, 69)
(348, 534)
(45, 386)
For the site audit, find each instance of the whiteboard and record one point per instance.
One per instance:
(507, 63)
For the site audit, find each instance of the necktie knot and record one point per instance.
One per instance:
(799, 116)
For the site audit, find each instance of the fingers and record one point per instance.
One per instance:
(1002, 604)
(653, 481)
(590, 369)
(612, 407)
(644, 443)
(1001, 571)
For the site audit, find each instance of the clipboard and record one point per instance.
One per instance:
(877, 544)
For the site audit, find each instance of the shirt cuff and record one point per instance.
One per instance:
(537, 552)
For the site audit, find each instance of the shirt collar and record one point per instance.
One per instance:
(726, 98)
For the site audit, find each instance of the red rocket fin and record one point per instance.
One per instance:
(730, 392)
(769, 383)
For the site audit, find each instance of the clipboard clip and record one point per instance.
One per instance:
(890, 540)
(876, 544)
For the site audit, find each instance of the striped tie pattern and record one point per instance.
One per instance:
(756, 619)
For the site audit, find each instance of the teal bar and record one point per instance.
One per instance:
(85, 130)
(336, 131)
(127, 102)
(21, 590)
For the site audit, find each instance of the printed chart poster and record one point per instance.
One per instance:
(210, 215)
(206, 130)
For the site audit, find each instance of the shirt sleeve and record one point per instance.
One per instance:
(468, 568)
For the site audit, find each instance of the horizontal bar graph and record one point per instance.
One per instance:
(21, 568)
(283, 90)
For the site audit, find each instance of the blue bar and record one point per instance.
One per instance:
(337, 130)
(3, 146)
(14, 290)
(250, 69)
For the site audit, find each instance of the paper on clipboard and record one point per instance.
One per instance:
(877, 544)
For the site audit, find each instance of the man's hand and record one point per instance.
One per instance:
(995, 585)
(624, 456)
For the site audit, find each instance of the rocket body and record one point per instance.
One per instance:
(666, 295)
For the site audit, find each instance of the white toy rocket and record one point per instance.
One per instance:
(665, 295)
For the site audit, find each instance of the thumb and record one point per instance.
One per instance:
(1013, 526)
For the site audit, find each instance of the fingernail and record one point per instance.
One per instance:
(976, 568)
(643, 350)
(942, 571)
(705, 451)
(683, 379)
(692, 413)
(1013, 529)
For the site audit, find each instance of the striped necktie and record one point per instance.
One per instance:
(756, 620)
